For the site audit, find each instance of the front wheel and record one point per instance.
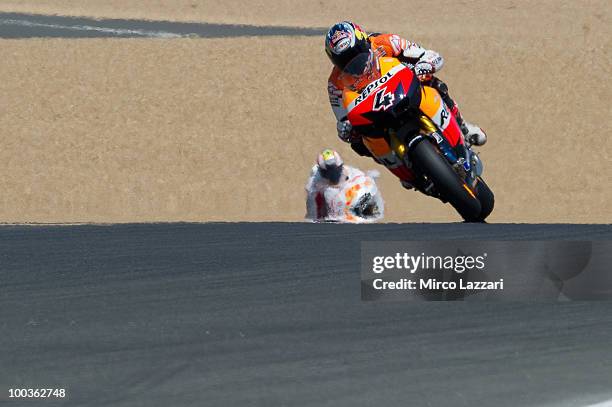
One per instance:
(430, 163)
(486, 198)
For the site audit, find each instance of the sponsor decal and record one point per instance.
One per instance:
(367, 91)
(382, 100)
(438, 137)
(339, 35)
(443, 116)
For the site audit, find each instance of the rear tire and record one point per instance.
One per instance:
(430, 162)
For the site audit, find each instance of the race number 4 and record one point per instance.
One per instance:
(382, 100)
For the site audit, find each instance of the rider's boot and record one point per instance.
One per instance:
(473, 134)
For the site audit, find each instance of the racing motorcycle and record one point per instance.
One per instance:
(403, 121)
(358, 201)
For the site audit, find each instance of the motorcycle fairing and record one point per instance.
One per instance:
(433, 106)
(384, 152)
(373, 102)
(397, 83)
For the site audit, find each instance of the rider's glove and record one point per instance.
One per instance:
(345, 130)
(413, 51)
(424, 70)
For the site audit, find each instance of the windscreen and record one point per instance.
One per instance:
(360, 71)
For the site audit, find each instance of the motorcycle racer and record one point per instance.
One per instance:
(329, 172)
(345, 40)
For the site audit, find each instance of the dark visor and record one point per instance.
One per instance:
(358, 65)
(332, 174)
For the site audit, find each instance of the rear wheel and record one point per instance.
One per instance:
(430, 162)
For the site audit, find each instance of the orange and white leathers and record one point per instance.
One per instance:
(335, 202)
(316, 205)
(328, 202)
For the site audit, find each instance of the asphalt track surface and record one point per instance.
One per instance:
(17, 25)
(269, 314)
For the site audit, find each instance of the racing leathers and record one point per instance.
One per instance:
(317, 187)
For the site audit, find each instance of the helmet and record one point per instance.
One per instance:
(344, 41)
(330, 165)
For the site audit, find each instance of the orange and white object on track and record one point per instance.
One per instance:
(358, 200)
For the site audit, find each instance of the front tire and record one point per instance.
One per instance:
(486, 198)
(430, 162)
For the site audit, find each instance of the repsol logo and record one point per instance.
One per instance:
(368, 89)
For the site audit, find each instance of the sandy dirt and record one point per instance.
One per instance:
(520, 18)
(200, 130)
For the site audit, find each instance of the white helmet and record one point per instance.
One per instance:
(330, 165)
